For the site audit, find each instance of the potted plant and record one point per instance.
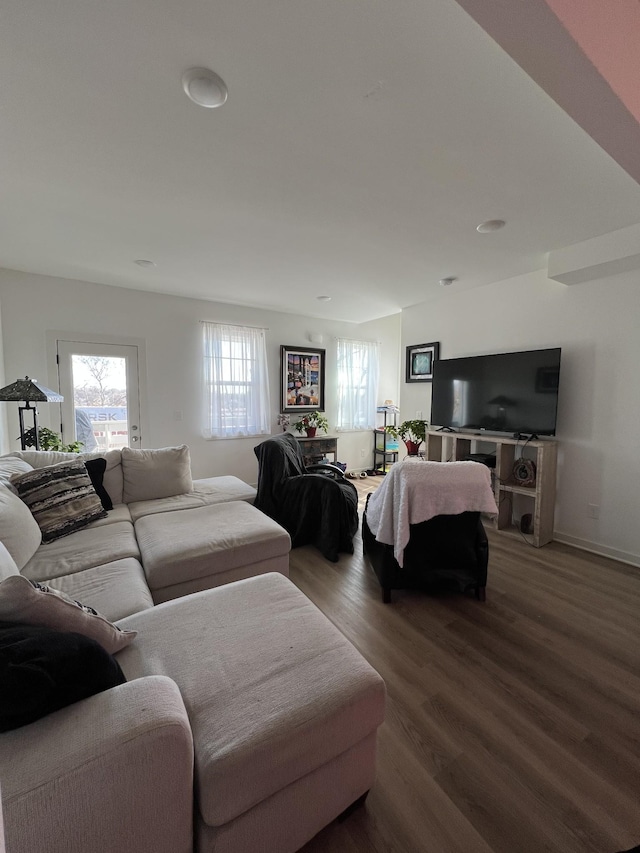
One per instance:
(310, 422)
(413, 433)
(50, 440)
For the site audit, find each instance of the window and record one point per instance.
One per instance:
(358, 371)
(236, 384)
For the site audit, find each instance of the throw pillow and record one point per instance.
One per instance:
(30, 603)
(18, 528)
(42, 671)
(150, 474)
(61, 498)
(95, 469)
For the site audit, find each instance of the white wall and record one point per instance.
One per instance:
(33, 306)
(596, 324)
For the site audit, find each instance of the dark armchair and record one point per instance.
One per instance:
(446, 549)
(316, 505)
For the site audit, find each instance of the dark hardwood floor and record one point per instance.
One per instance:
(513, 725)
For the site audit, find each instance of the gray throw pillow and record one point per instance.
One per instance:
(61, 498)
(151, 474)
(29, 603)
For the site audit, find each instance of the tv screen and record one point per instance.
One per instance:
(514, 392)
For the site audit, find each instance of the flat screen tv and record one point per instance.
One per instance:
(513, 392)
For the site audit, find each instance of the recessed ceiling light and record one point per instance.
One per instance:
(445, 282)
(323, 298)
(491, 225)
(204, 87)
(143, 262)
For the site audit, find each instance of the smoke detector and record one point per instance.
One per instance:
(204, 87)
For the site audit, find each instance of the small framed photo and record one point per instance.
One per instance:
(302, 373)
(420, 361)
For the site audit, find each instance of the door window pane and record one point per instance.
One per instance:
(100, 401)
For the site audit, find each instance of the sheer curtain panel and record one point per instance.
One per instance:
(358, 373)
(236, 382)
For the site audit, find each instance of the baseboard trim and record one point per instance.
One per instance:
(601, 550)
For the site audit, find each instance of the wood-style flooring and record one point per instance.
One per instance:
(513, 725)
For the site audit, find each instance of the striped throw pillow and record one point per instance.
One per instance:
(61, 498)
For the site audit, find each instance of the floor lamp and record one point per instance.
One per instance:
(31, 391)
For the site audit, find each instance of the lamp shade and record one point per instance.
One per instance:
(29, 390)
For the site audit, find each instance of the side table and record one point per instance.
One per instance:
(316, 449)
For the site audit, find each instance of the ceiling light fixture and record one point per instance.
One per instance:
(323, 298)
(491, 225)
(204, 87)
(143, 262)
(445, 282)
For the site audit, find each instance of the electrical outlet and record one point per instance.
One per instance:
(419, 415)
(362, 452)
(593, 510)
(177, 415)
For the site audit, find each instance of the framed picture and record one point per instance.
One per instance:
(302, 379)
(420, 361)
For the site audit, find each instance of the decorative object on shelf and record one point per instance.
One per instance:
(302, 372)
(411, 432)
(524, 472)
(311, 422)
(420, 361)
(31, 391)
(284, 420)
(389, 407)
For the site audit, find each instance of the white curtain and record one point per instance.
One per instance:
(358, 374)
(236, 382)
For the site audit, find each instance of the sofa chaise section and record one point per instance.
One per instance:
(283, 710)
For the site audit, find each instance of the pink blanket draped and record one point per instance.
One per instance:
(415, 491)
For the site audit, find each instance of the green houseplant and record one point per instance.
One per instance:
(310, 422)
(413, 433)
(50, 440)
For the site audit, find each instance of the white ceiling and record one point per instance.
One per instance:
(362, 142)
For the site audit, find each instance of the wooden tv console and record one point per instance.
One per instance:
(540, 496)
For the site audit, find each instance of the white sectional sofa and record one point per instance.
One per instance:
(137, 549)
(240, 694)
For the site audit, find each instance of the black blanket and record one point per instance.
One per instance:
(315, 509)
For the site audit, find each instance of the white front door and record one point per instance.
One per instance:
(99, 383)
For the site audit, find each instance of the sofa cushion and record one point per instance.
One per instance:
(7, 564)
(116, 589)
(149, 474)
(61, 498)
(204, 493)
(29, 603)
(45, 458)
(42, 671)
(10, 465)
(274, 691)
(120, 512)
(92, 546)
(215, 490)
(18, 528)
(181, 546)
(112, 476)
(95, 469)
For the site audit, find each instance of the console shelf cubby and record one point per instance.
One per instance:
(538, 499)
